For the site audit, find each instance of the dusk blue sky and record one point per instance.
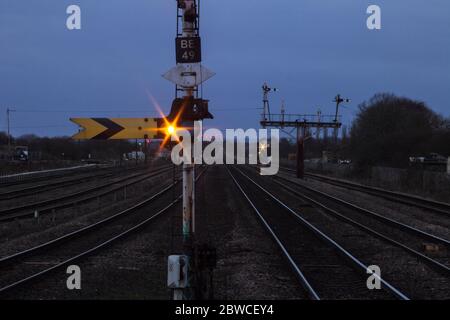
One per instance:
(309, 49)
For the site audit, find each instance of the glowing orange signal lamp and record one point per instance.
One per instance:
(170, 129)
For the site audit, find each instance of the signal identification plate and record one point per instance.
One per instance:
(188, 49)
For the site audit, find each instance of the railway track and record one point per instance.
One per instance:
(373, 223)
(324, 268)
(19, 269)
(398, 197)
(75, 198)
(21, 179)
(48, 186)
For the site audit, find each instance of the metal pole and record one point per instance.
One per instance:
(300, 152)
(265, 101)
(188, 205)
(145, 150)
(188, 170)
(9, 137)
(319, 113)
(136, 152)
(182, 269)
(338, 101)
(266, 106)
(188, 175)
(336, 134)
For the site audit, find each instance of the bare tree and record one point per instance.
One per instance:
(389, 129)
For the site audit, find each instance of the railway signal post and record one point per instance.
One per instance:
(338, 100)
(187, 76)
(301, 122)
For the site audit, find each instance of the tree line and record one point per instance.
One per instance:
(386, 131)
(64, 148)
(389, 129)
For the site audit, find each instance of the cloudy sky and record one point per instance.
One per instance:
(309, 49)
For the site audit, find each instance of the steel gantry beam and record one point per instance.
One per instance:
(301, 122)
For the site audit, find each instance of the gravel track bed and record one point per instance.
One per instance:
(21, 234)
(411, 276)
(67, 190)
(329, 273)
(54, 255)
(424, 220)
(249, 265)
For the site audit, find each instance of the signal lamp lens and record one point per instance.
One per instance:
(170, 130)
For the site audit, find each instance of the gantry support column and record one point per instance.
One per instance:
(300, 152)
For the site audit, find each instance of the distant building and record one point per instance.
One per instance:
(139, 155)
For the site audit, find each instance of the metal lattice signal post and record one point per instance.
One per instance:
(189, 18)
(301, 122)
(338, 100)
(266, 107)
(188, 75)
(188, 51)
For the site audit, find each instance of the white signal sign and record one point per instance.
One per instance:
(188, 75)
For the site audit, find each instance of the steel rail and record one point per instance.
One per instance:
(8, 214)
(74, 194)
(299, 274)
(375, 215)
(39, 175)
(432, 262)
(427, 204)
(82, 231)
(407, 199)
(44, 187)
(94, 249)
(104, 244)
(351, 258)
